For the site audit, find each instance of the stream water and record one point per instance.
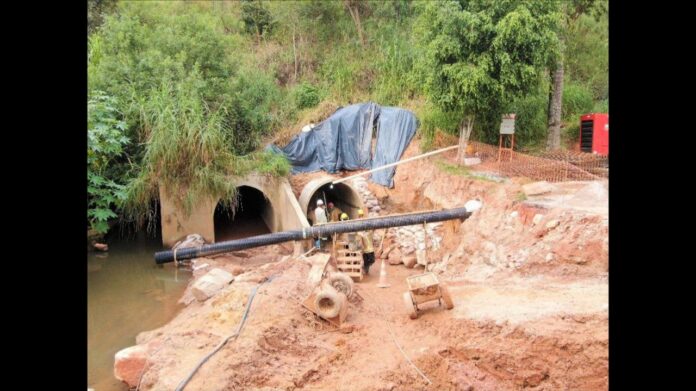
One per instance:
(126, 293)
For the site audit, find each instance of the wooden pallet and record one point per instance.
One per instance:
(351, 265)
(344, 245)
(348, 253)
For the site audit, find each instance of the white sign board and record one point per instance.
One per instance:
(507, 126)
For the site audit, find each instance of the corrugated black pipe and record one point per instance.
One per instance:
(312, 232)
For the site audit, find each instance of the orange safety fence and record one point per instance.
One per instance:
(556, 166)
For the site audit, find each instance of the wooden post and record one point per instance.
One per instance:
(501, 145)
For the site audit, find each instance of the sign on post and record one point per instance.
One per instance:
(507, 133)
(507, 126)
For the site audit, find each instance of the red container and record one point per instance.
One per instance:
(594, 133)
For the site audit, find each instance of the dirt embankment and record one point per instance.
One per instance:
(522, 319)
(562, 233)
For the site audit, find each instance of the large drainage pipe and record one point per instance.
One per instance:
(318, 231)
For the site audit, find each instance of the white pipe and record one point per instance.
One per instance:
(395, 164)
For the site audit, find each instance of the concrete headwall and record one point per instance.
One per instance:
(283, 212)
(176, 225)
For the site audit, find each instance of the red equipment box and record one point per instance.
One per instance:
(594, 133)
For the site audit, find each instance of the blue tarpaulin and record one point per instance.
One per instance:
(344, 141)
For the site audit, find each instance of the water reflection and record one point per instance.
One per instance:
(126, 294)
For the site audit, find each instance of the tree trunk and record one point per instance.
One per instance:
(360, 30)
(294, 51)
(555, 108)
(355, 14)
(466, 126)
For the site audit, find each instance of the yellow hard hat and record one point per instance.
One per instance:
(360, 212)
(344, 216)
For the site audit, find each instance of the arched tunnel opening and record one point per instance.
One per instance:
(248, 217)
(150, 229)
(343, 196)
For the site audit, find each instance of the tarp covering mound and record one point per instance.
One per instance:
(344, 141)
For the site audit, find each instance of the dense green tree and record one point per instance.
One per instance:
(478, 55)
(256, 17)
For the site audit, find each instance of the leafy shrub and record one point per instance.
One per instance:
(577, 100)
(105, 142)
(306, 96)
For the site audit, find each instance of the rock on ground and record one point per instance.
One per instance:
(210, 283)
(129, 364)
(537, 188)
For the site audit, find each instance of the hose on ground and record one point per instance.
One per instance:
(188, 378)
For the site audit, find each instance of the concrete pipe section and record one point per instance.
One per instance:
(264, 205)
(343, 195)
(248, 218)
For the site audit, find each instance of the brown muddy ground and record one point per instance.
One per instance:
(530, 295)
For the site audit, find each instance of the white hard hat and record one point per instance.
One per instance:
(320, 202)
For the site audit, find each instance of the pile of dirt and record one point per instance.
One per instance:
(488, 356)
(567, 237)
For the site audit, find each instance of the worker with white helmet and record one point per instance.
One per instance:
(320, 218)
(320, 213)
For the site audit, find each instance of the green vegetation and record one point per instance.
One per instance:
(452, 169)
(186, 94)
(479, 56)
(459, 170)
(105, 143)
(306, 96)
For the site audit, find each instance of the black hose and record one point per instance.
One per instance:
(322, 230)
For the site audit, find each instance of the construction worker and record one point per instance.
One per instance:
(368, 248)
(349, 237)
(334, 213)
(319, 218)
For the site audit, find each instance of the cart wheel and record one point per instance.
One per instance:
(410, 307)
(446, 297)
(341, 282)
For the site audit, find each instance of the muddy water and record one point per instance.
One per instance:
(126, 294)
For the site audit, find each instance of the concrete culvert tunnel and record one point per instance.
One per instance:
(343, 195)
(250, 217)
